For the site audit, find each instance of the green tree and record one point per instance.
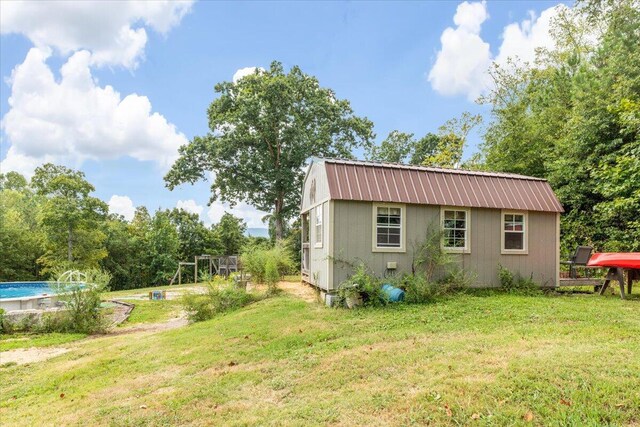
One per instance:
(424, 148)
(195, 238)
(164, 247)
(400, 147)
(263, 130)
(230, 234)
(70, 217)
(21, 239)
(452, 136)
(395, 148)
(573, 117)
(126, 256)
(13, 181)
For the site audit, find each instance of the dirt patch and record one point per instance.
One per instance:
(300, 290)
(22, 356)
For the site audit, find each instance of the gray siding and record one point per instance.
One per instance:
(317, 173)
(353, 228)
(320, 267)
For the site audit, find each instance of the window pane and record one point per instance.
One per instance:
(461, 215)
(449, 215)
(460, 224)
(518, 218)
(388, 226)
(513, 240)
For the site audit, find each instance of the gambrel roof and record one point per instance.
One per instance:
(397, 183)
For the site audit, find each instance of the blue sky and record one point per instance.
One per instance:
(405, 65)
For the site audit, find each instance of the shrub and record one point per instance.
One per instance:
(366, 285)
(218, 299)
(271, 276)
(256, 257)
(514, 283)
(2, 322)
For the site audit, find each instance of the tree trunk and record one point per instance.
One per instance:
(278, 224)
(70, 245)
(277, 214)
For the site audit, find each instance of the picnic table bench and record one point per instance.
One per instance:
(618, 264)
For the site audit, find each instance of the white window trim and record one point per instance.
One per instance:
(525, 250)
(467, 240)
(374, 228)
(318, 242)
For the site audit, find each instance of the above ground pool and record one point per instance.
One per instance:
(24, 289)
(27, 295)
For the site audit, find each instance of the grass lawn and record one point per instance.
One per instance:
(148, 311)
(480, 359)
(14, 341)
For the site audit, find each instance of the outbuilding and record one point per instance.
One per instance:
(376, 213)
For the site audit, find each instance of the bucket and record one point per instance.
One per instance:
(393, 294)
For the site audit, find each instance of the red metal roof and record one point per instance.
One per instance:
(391, 182)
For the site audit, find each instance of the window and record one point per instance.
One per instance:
(455, 227)
(388, 232)
(514, 232)
(319, 226)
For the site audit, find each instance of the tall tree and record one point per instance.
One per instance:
(395, 148)
(573, 117)
(263, 130)
(70, 217)
(21, 238)
(229, 234)
(164, 247)
(400, 147)
(452, 136)
(194, 237)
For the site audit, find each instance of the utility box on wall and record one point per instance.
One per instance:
(392, 265)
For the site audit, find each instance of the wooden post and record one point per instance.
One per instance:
(195, 269)
(179, 274)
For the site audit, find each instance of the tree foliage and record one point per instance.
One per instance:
(69, 217)
(229, 234)
(263, 130)
(573, 117)
(136, 253)
(400, 147)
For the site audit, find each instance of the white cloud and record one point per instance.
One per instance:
(462, 64)
(190, 206)
(75, 119)
(112, 30)
(243, 72)
(249, 214)
(122, 205)
(522, 39)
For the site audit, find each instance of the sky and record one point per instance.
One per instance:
(114, 88)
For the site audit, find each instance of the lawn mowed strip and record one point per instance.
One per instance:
(484, 358)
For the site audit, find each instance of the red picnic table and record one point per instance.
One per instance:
(618, 263)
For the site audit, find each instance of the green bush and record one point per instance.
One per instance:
(271, 275)
(255, 259)
(219, 298)
(366, 285)
(514, 283)
(2, 321)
